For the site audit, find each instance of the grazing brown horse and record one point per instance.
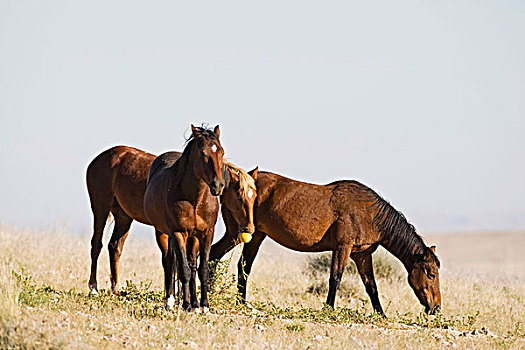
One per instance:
(181, 201)
(344, 217)
(116, 181)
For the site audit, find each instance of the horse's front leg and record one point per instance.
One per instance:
(192, 249)
(244, 266)
(204, 268)
(366, 271)
(162, 242)
(179, 245)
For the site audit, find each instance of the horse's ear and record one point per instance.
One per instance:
(254, 173)
(433, 249)
(195, 132)
(217, 131)
(428, 254)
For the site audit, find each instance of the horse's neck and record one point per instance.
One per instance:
(266, 184)
(183, 178)
(402, 249)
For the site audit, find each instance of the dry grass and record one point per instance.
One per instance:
(44, 301)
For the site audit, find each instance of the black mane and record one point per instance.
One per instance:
(204, 133)
(397, 235)
(177, 160)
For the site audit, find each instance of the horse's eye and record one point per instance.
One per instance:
(431, 275)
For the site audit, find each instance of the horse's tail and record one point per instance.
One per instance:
(174, 276)
(100, 178)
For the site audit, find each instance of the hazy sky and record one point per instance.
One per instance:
(424, 101)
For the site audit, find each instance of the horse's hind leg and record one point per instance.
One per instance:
(162, 242)
(169, 263)
(363, 262)
(339, 259)
(204, 267)
(120, 233)
(100, 216)
(177, 243)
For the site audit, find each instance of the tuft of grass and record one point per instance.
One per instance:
(295, 327)
(9, 314)
(143, 302)
(324, 315)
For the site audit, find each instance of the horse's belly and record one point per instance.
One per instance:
(300, 234)
(134, 209)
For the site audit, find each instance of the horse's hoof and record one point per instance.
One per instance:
(93, 290)
(186, 306)
(169, 303)
(197, 310)
(206, 310)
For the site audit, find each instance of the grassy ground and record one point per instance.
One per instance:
(44, 301)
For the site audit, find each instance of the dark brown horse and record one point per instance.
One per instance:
(181, 201)
(344, 217)
(116, 181)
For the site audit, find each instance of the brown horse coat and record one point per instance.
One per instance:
(344, 217)
(181, 200)
(116, 182)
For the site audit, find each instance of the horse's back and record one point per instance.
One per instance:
(157, 190)
(293, 213)
(101, 172)
(298, 215)
(111, 159)
(164, 161)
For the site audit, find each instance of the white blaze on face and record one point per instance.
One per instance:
(250, 193)
(170, 302)
(214, 148)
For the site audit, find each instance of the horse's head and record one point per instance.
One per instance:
(208, 155)
(239, 196)
(424, 280)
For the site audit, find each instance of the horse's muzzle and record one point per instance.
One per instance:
(217, 187)
(432, 310)
(249, 229)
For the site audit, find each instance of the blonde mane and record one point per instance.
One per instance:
(246, 182)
